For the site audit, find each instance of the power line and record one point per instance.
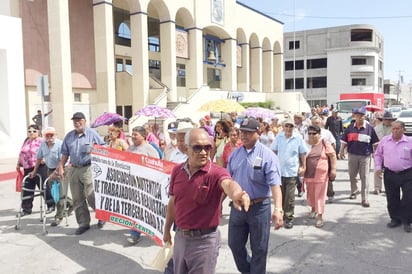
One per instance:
(344, 17)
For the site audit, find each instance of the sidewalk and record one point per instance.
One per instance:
(353, 240)
(7, 168)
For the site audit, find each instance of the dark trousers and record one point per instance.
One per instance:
(31, 183)
(399, 208)
(288, 197)
(255, 226)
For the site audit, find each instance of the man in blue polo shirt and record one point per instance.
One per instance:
(291, 150)
(257, 171)
(360, 138)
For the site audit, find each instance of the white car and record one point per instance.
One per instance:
(395, 110)
(406, 117)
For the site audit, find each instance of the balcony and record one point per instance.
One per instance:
(362, 69)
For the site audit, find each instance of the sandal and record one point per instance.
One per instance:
(312, 215)
(319, 223)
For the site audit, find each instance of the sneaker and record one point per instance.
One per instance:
(133, 239)
(330, 200)
(100, 224)
(56, 222)
(300, 194)
(50, 209)
(24, 212)
(289, 224)
(81, 230)
(70, 210)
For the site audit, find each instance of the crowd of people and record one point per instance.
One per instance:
(252, 161)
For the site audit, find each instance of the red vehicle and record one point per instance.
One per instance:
(348, 101)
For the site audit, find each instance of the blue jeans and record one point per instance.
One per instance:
(255, 225)
(134, 233)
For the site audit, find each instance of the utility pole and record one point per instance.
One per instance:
(398, 86)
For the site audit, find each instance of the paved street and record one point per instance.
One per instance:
(353, 240)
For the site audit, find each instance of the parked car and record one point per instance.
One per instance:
(395, 110)
(406, 117)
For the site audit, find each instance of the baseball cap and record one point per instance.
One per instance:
(361, 110)
(171, 127)
(78, 115)
(250, 124)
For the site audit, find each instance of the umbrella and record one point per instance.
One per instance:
(259, 112)
(155, 111)
(373, 108)
(107, 118)
(222, 105)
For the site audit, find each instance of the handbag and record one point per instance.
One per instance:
(55, 191)
(19, 180)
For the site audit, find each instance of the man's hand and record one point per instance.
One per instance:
(167, 237)
(301, 171)
(32, 174)
(379, 173)
(277, 219)
(241, 199)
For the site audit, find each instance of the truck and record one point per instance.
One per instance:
(349, 101)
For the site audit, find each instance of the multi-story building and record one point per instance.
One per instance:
(120, 55)
(323, 63)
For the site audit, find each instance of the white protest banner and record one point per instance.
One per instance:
(131, 190)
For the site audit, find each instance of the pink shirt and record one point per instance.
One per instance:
(197, 198)
(28, 152)
(396, 155)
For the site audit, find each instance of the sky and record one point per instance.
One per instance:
(392, 19)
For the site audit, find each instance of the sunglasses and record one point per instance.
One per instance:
(199, 148)
(312, 133)
(32, 131)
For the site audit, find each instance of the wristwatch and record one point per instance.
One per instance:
(278, 209)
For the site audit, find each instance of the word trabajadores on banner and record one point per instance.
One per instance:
(131, 190)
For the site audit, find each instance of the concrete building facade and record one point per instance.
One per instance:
(323, 63)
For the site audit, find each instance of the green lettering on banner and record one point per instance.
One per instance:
(121, 221)
(144, 229)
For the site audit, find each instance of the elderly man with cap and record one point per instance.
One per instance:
(382, 129)
(171, 144)
(140, 146)
(257, 171)
(179, 154)
(291, 150)
(77, 144)
(50, 153)
(360, 138)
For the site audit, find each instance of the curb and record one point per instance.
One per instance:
(8, 175)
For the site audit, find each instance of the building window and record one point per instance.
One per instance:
(380, 65)
(119, 65)
(154, 69)
(317, 63)
(298, 65)
(358, 82)
(360, 35)
(294, 44)
(153, 26)
(316, 82)
(356, 61)
(121, 20)
(128, 66)
(298, 81)
(77, 97)
(181, 75)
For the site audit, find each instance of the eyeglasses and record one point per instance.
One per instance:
(312, 133)
(288, 125)
(32, 131)
(199, 148)
(49, 135)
